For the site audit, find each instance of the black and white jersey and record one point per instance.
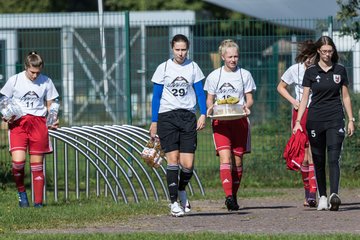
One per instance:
(326, 92)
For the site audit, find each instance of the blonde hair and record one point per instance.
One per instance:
(225, 44)
(33, 60)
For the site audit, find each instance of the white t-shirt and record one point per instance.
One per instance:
(178, 83)
(30, 95)
(294, 75)
(224, 84)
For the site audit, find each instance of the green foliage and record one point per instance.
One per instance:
(145, 5)
(5, 173)
(349, 11)
(43, 6)
(5, 163)
(351, 153)
(19, 6)
(203, 11)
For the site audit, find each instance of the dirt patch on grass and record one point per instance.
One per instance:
(283, 214)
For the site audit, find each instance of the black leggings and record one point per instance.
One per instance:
(326, 135)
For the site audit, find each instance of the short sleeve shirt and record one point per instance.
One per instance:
(178, 83)
(224, 84)
(294, 76)
(326, 87)
(30, 95)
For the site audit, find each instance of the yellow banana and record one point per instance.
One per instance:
(221, 101)
(232, 100)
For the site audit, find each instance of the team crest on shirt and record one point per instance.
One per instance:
(337, 78)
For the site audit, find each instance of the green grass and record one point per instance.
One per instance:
(78, 213)
(92, 211)
(16, 223)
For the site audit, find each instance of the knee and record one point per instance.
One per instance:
(187, 170)
(334, 152)
(225, 159)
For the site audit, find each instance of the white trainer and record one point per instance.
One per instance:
(176, 210)
(323, 204)
(185, 204)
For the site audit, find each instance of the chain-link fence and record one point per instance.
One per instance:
(103, 71)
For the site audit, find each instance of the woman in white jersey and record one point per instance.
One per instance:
(294, 76)
(34, 93)
(231, 137)
(177, 85)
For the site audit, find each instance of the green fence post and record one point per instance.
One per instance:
(127, 68)
(128, 80)
(330, 26)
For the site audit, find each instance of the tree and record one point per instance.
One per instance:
(349, 11)
(203, 9)
(44, 6)
(144, 5)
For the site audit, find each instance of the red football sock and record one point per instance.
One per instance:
(226, 179)
(38, 181)
(18, 171)
(305, 177)
(236, 176)
(312, 180)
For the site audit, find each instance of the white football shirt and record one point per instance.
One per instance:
(30, 95)
(225, 84)
(294, 75)
(178, 80)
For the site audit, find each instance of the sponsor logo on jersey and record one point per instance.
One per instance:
(179, 82)
(179, 86)
(31, 95)
(226, 90)
(318, 78)
(337, 78)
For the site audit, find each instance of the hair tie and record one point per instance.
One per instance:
(32, 53)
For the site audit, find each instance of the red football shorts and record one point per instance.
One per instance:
(233, 135)
(303, 119)
(30, 132)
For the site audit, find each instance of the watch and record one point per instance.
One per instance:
(352, 119)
